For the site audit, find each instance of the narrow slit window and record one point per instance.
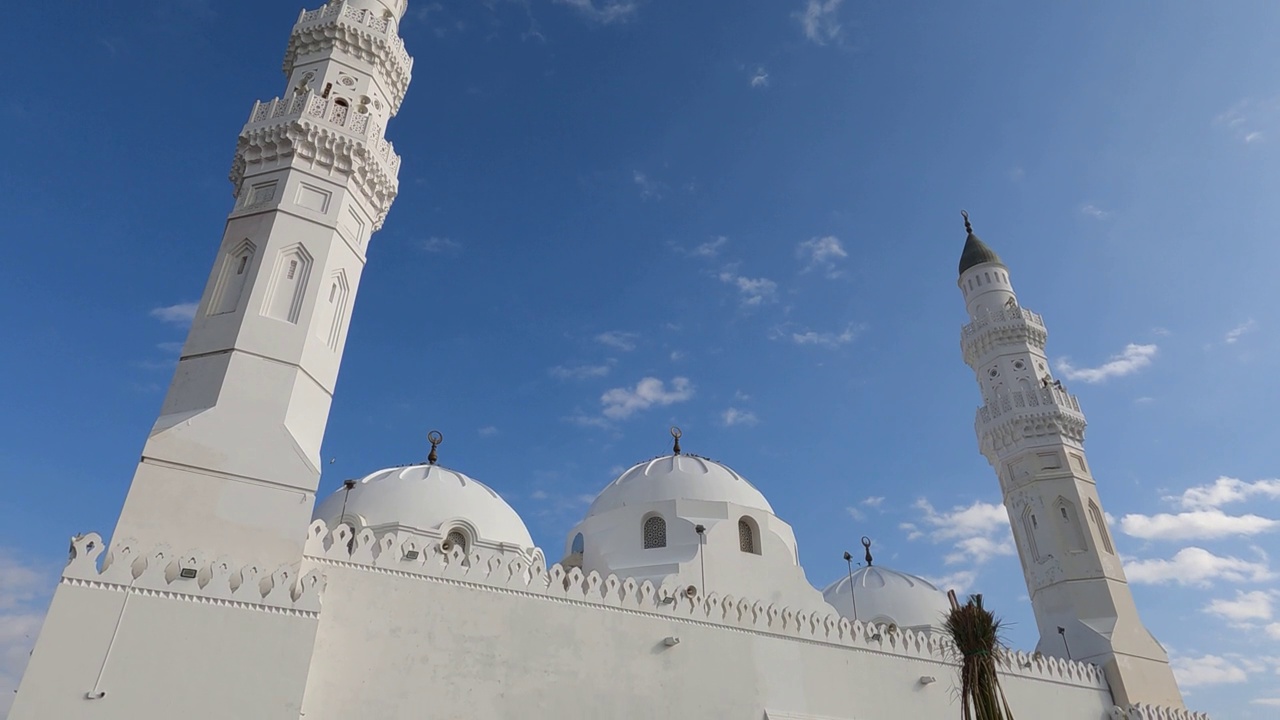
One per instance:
(244, 263)
(333, 292)
(293, 269)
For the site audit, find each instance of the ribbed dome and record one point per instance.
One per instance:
(976, 253)
(425, 497)
(886, 595)
(678, 477)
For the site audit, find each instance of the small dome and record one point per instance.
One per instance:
(678, 477)
(427, 497)
(887, 596)
(976, 253)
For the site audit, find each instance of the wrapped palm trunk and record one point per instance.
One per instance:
(976, 632)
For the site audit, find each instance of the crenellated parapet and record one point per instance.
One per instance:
(190, 577)
(1151, 712)
(408, 556)
(360, 33)
(325, 135)
(1017, 415)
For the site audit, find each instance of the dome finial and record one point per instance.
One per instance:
(967, 227)
(676, 434)
(866, 543)
(435, 438)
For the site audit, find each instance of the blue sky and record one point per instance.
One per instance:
(738, 217)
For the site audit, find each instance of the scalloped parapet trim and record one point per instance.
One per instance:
(407, 555)
(1151, 712)
(357, 32)
(161, 573)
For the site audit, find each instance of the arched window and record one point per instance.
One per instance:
(748, 536)
(655, 532)
(578, 545)
(458, 539)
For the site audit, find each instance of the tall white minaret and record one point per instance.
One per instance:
(1032, 432)
(234, 460)
(203, 607)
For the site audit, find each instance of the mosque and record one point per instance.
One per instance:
(228, 591)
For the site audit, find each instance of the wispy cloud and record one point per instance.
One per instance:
(1194, 566)
(1093, 211)
(1207, 670)
(733, 417)
(605, 12)
(21, 603)
(976, 532)
(580, 372)
(440, 245)
(488, 431)
(1246, 606)
(1233, 335)
(822, 253)
(874, 501)
(1195, 525)
(649, 189)
(827, 339)
(180, 314)
(708, 249)
(819, 20)
(621, 403)
(618, 340)
(760, 78)
(1252, 120)
(751, 291)
(1225, 490)
(1131, 360)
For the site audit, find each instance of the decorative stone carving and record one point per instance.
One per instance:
(190, 577)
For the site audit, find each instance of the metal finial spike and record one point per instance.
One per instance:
(866, 543)
(967, 227)
(676, 434)
(435, 438)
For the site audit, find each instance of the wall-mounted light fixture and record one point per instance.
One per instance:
(928, 679)
(671, 641)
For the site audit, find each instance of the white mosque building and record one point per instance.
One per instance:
(227, 591)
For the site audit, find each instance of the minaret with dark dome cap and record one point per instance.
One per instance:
(975, 251)
(1032, 432)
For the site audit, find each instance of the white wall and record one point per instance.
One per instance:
(435, 639)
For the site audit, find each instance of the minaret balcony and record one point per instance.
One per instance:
(1032, 413)
(360, 32)
(312, 109)
(1011, 326)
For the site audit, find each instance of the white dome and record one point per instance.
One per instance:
(428, 497)
(678, 477)
(888, 596)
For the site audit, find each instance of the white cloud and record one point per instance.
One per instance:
(539, 495)
(1207, 670)
(1093, 211)
(1195, 525)
(1250, 119)
(1133, 359)
(607, 12)
(822, 252)
(579, 372)
(710, 248)
(734, 416)
(976, 532)
(826, 339)
(1197, 567)
(855, 513)
(488, 431)
(819, 20)
(440, 246)
(1233, 335)
(21, 602)
(760, 79)
(874, 501)
(1247, 606)
(1226, 490)
(1269, 702)
(621, 403)
(1273, 631)
(751, 291)
(180, 314)
(624, 341)
(961, 581)
(649, 189)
